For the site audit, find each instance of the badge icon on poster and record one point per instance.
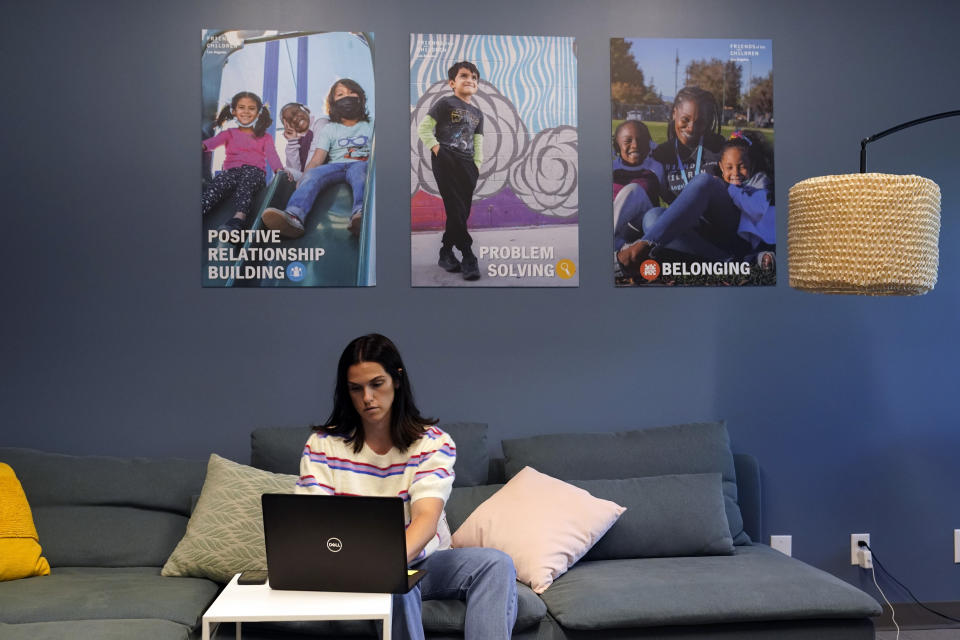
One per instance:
(650, 270)
(566, 269)
(296, 271)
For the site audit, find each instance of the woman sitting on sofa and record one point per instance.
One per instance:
(376, 443)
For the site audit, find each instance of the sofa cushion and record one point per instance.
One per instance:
(59, 479)
(448, 616)
(673, 515)
(96, 630)
(94, 593)
(754, 584)
(20, 553)
(225, 533)
(545, 525)
(699, 447)
(473, 459)
(279, 449)
(106, 511)
(108, 536)
(463, 501)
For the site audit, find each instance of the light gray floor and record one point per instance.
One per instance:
(927, 634)
(562, 239)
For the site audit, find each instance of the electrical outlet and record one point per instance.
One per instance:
(854, 547)
(783, 544)
(956, 546)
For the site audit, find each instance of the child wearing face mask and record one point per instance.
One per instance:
(345, 141)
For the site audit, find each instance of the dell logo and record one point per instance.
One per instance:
(334, 545)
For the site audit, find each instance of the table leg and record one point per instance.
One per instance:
(388, 622)
(238, 630)
(205, 633)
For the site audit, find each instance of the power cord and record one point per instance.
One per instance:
(893, 618)
(903, 586)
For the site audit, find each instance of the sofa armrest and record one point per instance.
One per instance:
(748, 494)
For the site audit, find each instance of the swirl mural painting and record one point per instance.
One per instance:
(493, 160)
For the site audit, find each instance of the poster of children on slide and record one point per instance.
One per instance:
(493, 161)
(692, 156)
(288, 159)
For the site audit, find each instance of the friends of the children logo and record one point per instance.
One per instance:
(651, 269)
(433, 48)
(221, 43)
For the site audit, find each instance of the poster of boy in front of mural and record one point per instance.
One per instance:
(288, 171)
(692, 155)
(493, 144)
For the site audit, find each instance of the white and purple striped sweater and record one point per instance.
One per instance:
(329, 466)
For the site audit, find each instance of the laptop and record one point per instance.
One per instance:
(336, 543)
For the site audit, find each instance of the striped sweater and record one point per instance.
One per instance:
(329, 466)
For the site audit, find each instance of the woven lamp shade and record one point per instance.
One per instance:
(864, 233)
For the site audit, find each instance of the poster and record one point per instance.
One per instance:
(288, 169)
(493, 161)
(692, 159)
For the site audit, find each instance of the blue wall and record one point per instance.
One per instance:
(110, 345)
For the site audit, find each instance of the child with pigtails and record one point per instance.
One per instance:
(249, 149)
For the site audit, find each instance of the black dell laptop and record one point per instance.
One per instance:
(336, 543)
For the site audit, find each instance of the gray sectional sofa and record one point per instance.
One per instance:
(107, 526)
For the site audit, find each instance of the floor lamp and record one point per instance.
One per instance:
(865, 233)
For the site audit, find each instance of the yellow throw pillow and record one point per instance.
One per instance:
(19, 547)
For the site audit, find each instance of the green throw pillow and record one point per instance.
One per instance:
(225, 533)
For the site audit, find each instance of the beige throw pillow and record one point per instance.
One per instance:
(225, 533)
(544, 524)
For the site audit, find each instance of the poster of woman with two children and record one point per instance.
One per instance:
(692, 158)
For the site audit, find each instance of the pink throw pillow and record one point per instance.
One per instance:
(544, 524)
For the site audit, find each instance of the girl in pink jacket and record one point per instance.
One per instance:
(249, 150)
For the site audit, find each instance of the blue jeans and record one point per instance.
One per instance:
(702, 220)
(484, 578)
(626, 227)
(319, 178)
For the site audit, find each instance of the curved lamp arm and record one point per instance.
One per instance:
(905, 125)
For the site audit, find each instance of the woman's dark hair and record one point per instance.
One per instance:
(406, 423)
(463, 64)
(263, 119)
(707, 107)
(754, 143)
(354, 86)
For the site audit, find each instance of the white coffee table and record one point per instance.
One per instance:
(259, 603)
